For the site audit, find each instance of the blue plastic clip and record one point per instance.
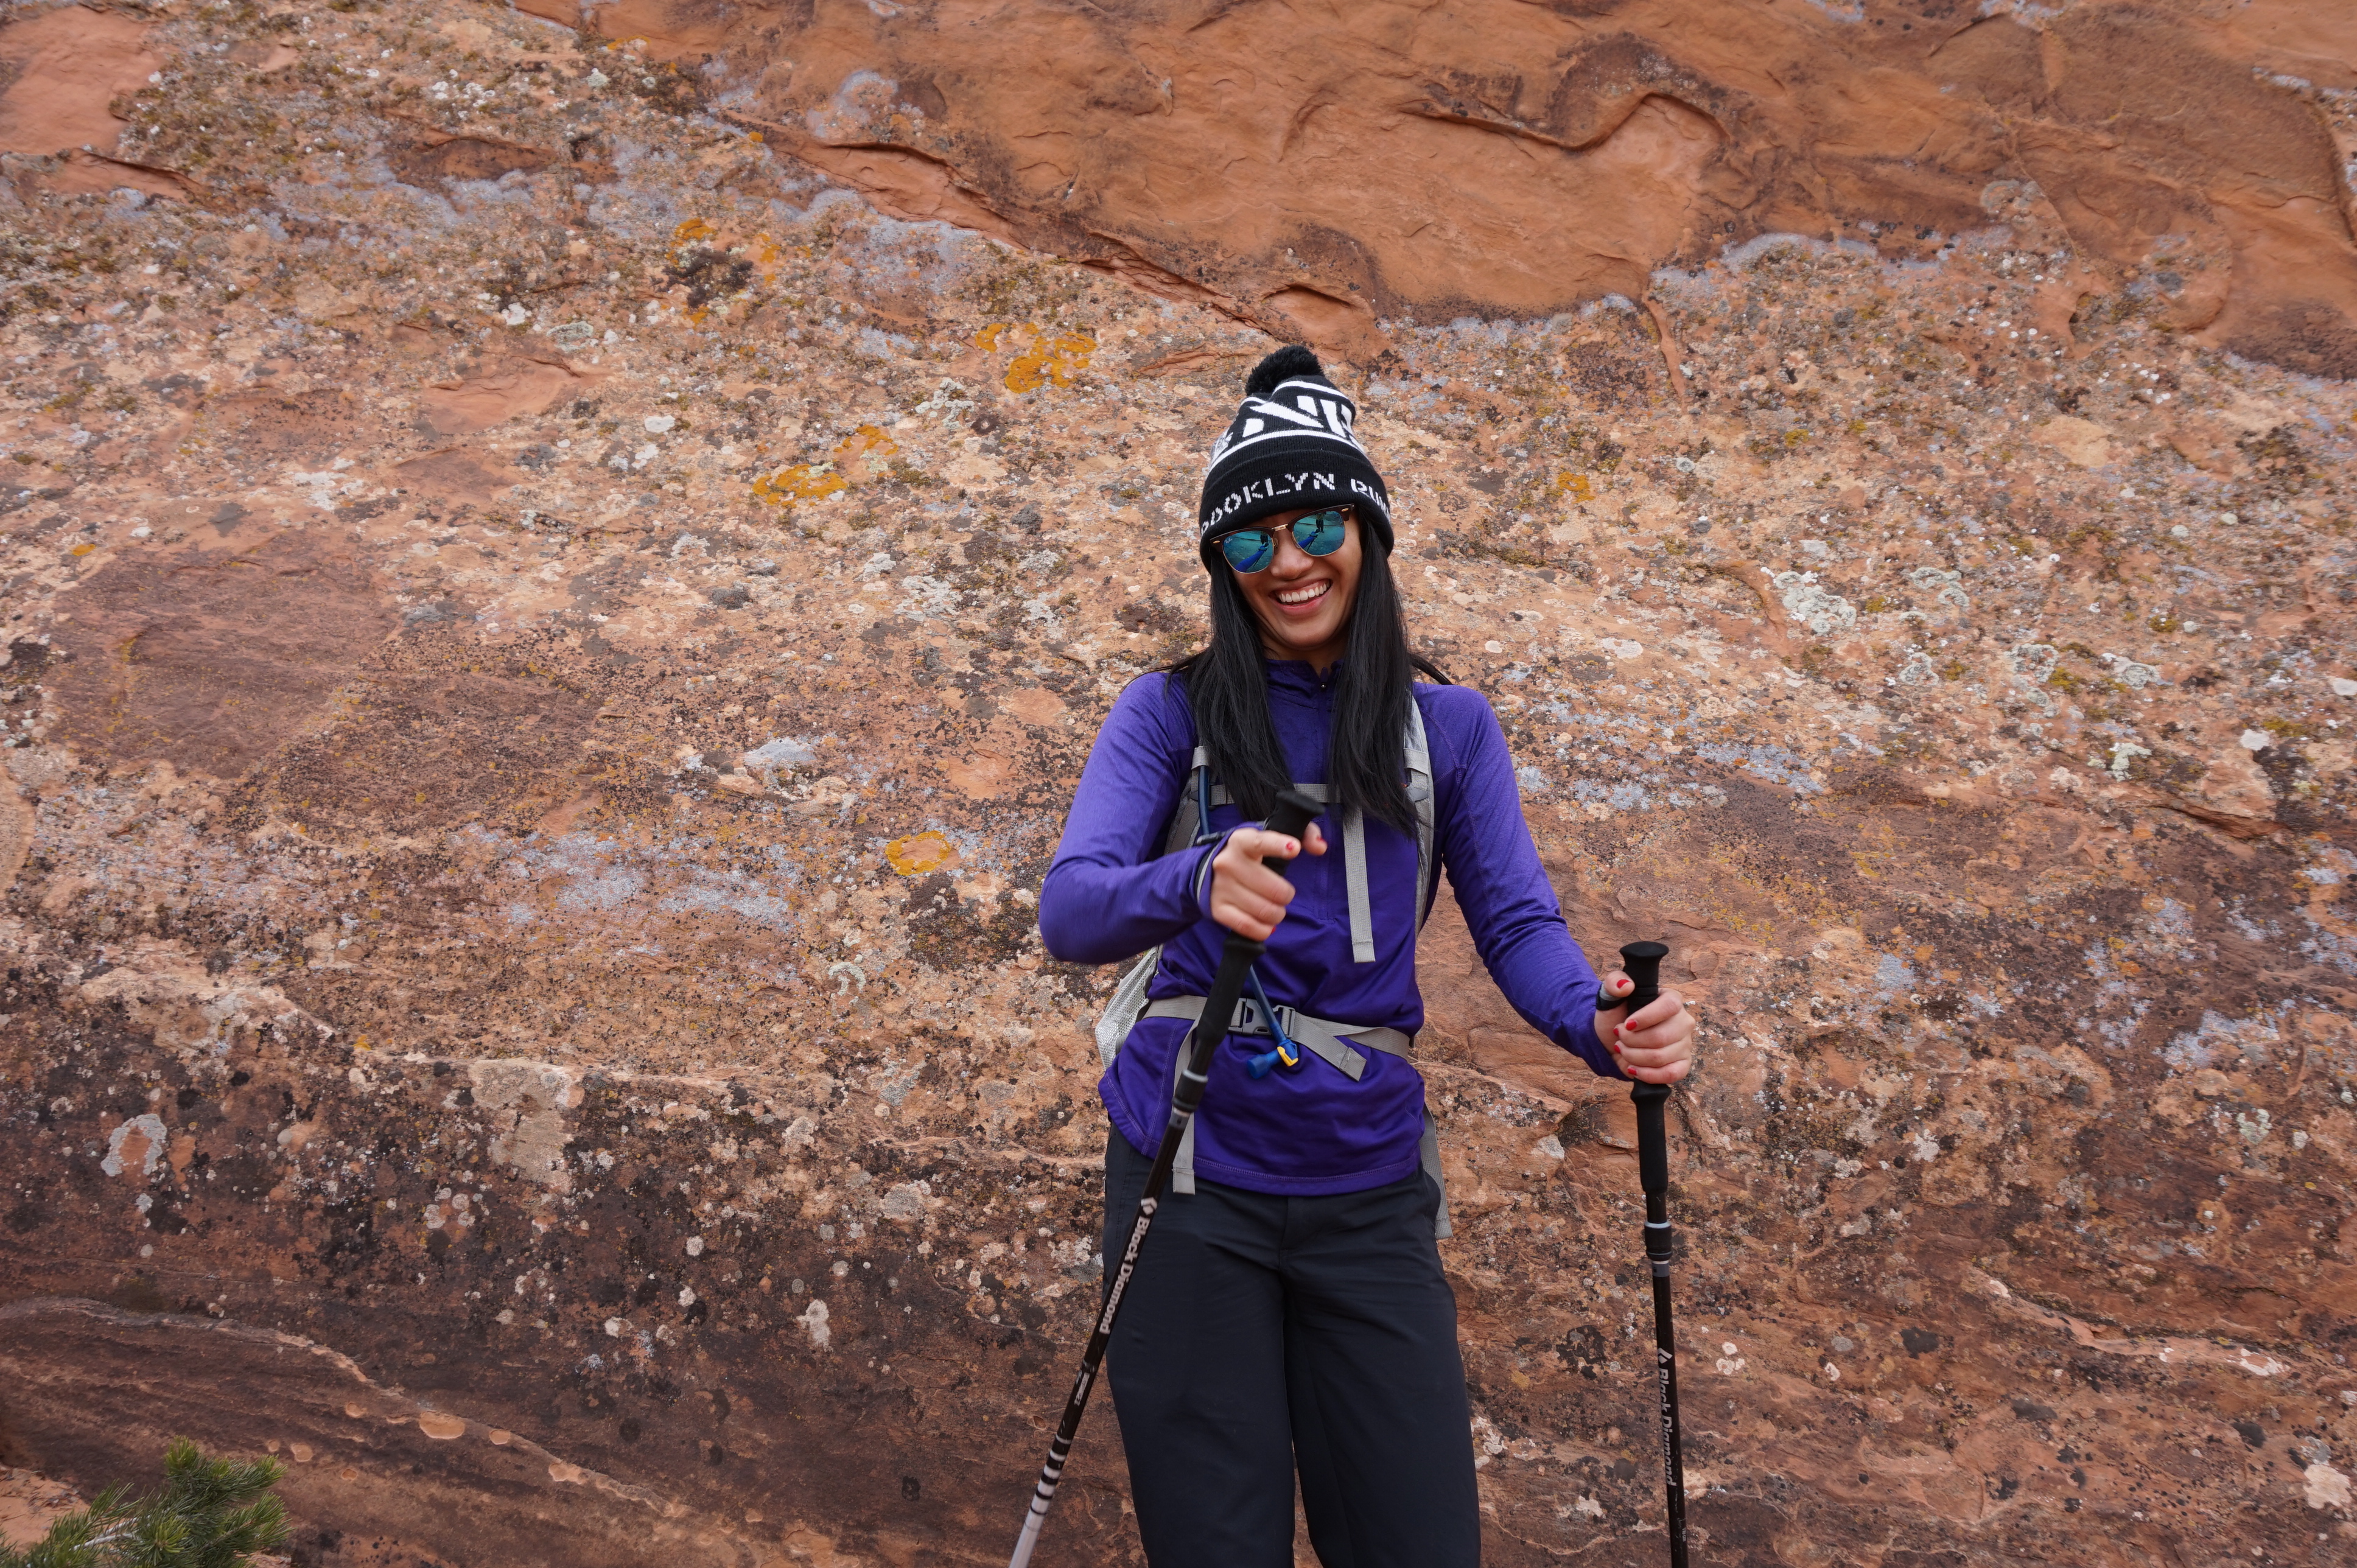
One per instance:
(1287, 1055)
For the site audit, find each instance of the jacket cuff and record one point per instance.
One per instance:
(1599, 1054)
(1198, 885)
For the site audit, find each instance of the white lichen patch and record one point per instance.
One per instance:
(138, 1141)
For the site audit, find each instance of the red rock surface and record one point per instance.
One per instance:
(28, 1504)
(548, 640)
(1317, 174)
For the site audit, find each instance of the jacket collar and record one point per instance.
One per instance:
(1297, 676)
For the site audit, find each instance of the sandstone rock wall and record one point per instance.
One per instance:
(1321, 173)
(554, 609)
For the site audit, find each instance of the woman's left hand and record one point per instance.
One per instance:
(1654, 1047)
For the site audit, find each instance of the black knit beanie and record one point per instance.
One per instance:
(1290, 447)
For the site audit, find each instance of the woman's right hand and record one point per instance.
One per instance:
(1247, 896)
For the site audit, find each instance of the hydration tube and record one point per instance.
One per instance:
(1287, 1055)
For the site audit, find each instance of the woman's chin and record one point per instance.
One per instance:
(1301, 642)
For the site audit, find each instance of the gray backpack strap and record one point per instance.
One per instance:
(1353, 827)
(1183, 825)
(1418, 755)
(1354, 879)
(1429, 1146)
(1420, 794)
(1129, 1002)
(1182, 1164)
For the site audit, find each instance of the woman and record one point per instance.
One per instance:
(1290, 1312)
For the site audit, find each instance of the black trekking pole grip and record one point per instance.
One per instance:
(1292, 816)
(1642, 962)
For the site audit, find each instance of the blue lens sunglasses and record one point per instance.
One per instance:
(1250, 550)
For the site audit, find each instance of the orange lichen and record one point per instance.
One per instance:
(1051, 360)
(1045, 358)
(867, 439)
(921, 852)
(800, 482)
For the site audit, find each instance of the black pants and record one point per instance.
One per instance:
(1264, 1334)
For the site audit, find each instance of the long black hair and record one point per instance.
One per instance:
(1227, 687)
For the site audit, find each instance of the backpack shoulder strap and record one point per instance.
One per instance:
(1420, 794)
(1194, 799)
(1187, 826)
(1418, 757)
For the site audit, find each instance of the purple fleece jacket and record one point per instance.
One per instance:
(1112, 894)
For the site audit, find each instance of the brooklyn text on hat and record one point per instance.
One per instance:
(1291, 445)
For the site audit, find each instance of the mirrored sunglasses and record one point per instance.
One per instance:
(1250, 550)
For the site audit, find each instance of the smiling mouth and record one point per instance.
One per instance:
(1306, 594)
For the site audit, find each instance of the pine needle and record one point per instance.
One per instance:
(211, 1513)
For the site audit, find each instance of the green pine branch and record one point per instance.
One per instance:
(211, 1513)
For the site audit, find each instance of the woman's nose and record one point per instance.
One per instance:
(1290, 557)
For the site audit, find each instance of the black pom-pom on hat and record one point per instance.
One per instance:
(1289, 448)
(1276, 370)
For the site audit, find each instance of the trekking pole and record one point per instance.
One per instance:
(1292, 817)
(1642, 962)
